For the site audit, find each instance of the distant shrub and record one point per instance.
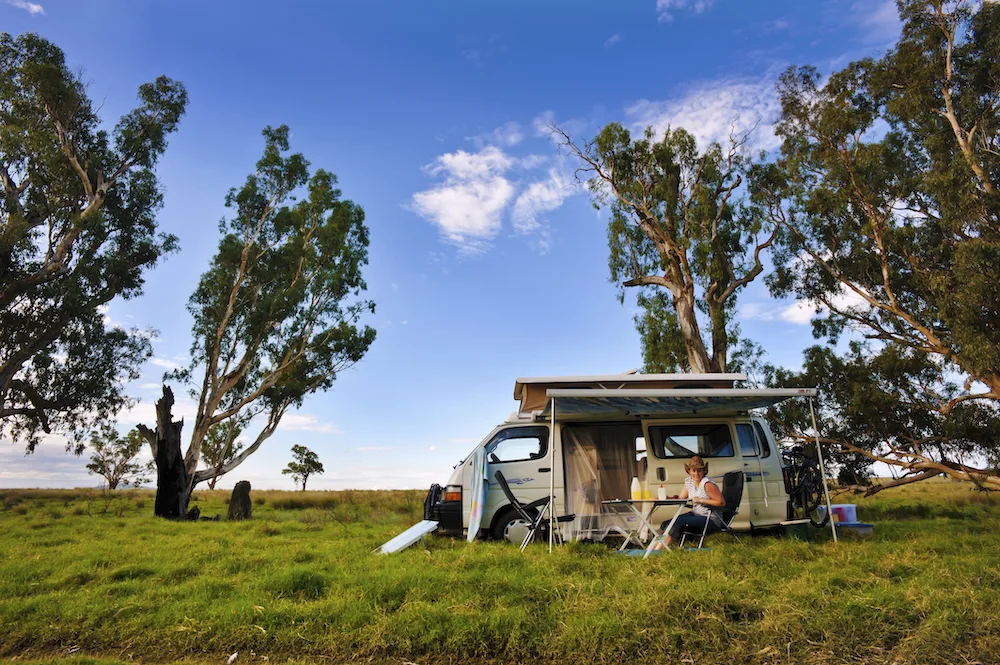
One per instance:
(140, 504)
(258, 500)
(20, 509)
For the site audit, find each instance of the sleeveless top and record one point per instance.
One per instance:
(698, 493)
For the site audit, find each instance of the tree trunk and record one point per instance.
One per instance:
(173, 484)
(687, 318)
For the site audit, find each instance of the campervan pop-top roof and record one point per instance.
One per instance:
(531, 391)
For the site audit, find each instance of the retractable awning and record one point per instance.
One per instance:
(668, 402)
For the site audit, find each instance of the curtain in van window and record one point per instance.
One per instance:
(600, 464)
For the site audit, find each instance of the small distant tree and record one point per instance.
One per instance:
(305, 464)
(114, 458)
(221, 446)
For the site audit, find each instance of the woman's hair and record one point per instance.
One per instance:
(696, 462)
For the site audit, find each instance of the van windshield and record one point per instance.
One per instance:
(707, 440)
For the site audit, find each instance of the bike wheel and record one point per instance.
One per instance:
(812, 493)
(819, 517)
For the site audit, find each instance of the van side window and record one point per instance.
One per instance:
(762, 440)
(748, 443)
(518, 444)
(707, 440)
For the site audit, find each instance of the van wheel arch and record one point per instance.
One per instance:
(501, 519)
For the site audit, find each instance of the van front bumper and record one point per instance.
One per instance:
(449, 517)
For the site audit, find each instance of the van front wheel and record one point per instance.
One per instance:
(509, 526)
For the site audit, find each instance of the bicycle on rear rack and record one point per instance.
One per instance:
(805, 486)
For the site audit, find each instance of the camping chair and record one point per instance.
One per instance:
(532, 513)
(721, 517)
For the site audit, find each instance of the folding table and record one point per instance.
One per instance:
(658, 537)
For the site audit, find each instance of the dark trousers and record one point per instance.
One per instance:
(686, 522)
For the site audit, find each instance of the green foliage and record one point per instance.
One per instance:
(677, 232)
(276, 314)
(77, 229)
(221, 445)
(912, 594)
(304, 464)
(113, 457)
(886, 196)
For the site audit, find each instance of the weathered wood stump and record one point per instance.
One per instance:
(173, 483)
(240, 506)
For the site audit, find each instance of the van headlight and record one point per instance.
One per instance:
(453, 493)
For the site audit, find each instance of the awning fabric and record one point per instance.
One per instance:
(652, 403)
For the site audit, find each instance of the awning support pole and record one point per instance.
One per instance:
(552, 476)
(822, 472)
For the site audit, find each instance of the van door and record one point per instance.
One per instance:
(755, 488)
(672, 442)
(770, 461)
(522, 454)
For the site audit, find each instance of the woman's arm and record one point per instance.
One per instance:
(714, 496)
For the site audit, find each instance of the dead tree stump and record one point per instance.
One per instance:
(240, 506)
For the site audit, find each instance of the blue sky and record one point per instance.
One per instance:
(487, 261)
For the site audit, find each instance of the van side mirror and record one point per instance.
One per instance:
(661, 474)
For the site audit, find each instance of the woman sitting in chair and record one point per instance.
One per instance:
(702, 492)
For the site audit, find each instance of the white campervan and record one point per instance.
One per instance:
(583, 439)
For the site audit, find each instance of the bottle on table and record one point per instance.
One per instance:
(636, 490)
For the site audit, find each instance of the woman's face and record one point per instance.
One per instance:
(696, 473)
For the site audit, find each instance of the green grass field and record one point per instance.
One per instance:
(88, 583)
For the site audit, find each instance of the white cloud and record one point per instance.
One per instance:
(30, 7)
(474, 56)
(305, 422)
(612, 40)
(507, 134)
(667, 7)
(543, 123)
(800, 312)
(713, 110)
(539, 198)
(878, 20)
(532, 162)
(468, 206)
(145, 412)
(164, 362)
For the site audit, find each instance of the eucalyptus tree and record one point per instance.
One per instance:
(77, 229)
(680, 232)
(222, 443)
(305, 463)
(276, 315)
(114, 457)
(886, 197)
